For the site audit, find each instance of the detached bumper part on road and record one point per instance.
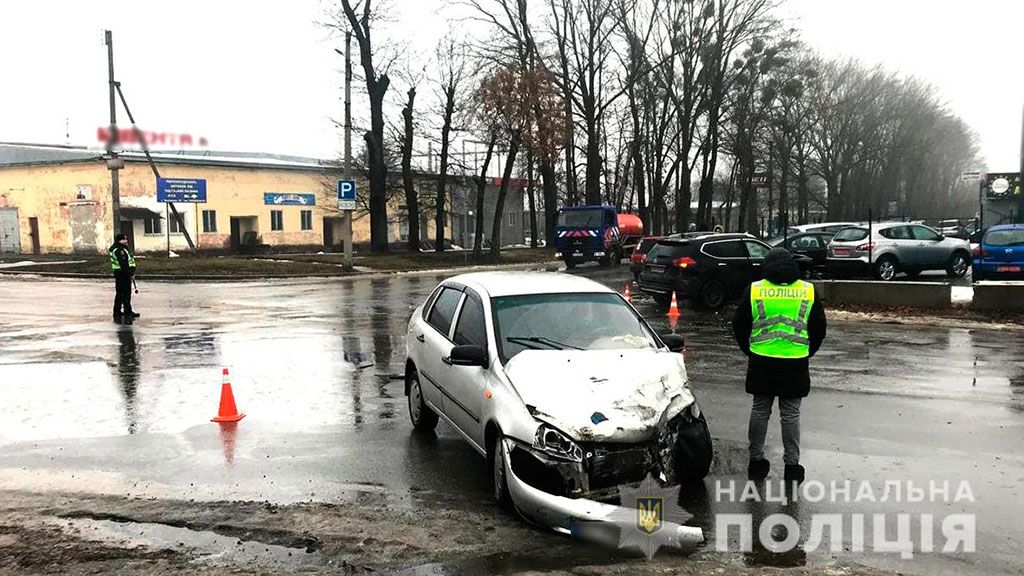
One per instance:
(560, 513)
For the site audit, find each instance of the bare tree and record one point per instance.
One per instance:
(377, 83)
(412, 203)
(453, 73)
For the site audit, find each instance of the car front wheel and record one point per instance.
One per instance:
(693, 449)
(957, 265)
(499, 481)
(423, 418)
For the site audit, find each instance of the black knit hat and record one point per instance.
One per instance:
(120, 237)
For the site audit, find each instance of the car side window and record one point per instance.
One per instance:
(805, 243)
(896, 233)
(923, 233)
(756, 250)
(443, 312)
(471, 327)
(430, 301)
(726, 249)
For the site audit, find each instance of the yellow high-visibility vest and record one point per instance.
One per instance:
(115, 264)
(781, 313)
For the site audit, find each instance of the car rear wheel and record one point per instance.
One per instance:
(713, 294)
(423, 418)
(693, 449)
(499, 482)
(570, 263)
(957, 267)
(885, 268)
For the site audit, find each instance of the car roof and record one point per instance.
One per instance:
(1005, 227)
(702, 236)
(520, 283)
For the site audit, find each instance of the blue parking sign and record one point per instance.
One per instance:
(346, 194)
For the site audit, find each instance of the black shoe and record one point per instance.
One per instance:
(757, 470)
(132, 314)
(793, 473)
(117, 317)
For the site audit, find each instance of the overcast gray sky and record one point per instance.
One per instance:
(263, 76)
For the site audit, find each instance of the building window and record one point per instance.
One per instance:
(153, 225)
(174, 226)
(306, 217)
(276, 220)
(209, 221)
(511, 219)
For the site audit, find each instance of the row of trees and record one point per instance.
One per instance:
(675, 109)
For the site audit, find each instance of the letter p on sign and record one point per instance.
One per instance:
(346, 194)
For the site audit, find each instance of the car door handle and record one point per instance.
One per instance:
(722, 264)
(421, 338)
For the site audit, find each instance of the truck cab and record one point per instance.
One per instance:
(595, 233)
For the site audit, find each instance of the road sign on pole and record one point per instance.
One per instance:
(181, 190)
(346, 194)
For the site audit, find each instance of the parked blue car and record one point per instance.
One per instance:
(1000, 255)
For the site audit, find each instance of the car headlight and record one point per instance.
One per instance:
(554, 443)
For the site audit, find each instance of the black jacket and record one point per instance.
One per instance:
(121, 253)
(782, 377)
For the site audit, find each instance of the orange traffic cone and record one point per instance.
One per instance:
(627, 295)
(673, 308)
(228, 411)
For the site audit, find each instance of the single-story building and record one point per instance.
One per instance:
(57, 199)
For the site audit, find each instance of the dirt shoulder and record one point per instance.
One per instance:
(79, 534)
(212, 267)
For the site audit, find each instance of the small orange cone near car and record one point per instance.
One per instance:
(627, 295)
(228, 412)
(673, 308)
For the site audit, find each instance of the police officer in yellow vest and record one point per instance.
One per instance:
(779, 324)
(122, 263)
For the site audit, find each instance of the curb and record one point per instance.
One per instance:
(551, 266)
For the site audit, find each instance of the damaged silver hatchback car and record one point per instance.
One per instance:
(560, 384)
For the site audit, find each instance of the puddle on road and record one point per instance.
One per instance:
(206, 547)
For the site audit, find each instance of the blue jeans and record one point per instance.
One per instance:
(789, 413)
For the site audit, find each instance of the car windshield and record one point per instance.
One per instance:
(1009, 237)
(850, 235)
(567, 322)
(581, 218)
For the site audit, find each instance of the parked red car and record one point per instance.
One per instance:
(639, 255)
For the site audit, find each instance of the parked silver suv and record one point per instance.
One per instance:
(896, 247)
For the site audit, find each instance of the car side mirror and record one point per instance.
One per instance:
(467, 355)
(675, 342)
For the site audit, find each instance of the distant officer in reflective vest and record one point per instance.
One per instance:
(122, 264)
(779, 324)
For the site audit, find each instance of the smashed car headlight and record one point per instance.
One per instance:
(554, 443)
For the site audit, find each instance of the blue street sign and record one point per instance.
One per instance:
(346, 194)
(181, 190)
(288, 199)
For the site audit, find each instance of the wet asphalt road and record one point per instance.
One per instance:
(87, 405)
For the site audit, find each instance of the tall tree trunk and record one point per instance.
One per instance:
(442, 176)
(499, 207)
(549, 188)
(376, 88)
(529, 194)
(593, 183)
(481, 192)
(412, 204)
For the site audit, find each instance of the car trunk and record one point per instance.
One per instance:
(660, 267)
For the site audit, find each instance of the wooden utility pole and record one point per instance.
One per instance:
(113, 161)
(348, 144)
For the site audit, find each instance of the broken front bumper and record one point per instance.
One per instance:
(563, 514)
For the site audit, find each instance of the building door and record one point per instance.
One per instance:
(33, 232)
(236, 234)
(10, 233)
(328, 232)
(128, 229)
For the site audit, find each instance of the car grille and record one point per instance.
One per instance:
(611, 465)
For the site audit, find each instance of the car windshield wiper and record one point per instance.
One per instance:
(540, 340)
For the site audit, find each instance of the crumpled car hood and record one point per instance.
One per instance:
(594, 395)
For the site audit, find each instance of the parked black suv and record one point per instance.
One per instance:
(710, 269)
